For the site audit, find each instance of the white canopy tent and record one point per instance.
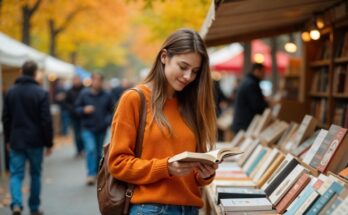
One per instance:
(14, 54)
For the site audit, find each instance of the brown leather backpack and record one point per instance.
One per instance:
(114, 195)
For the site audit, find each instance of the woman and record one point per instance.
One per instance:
(180, 117)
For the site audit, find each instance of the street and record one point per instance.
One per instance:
(64, 191)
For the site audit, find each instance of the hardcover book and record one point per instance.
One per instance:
(232, 192)
(249, 204)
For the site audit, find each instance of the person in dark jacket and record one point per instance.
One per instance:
(249, 100)
(28, 130)
(70, 100)
(95, 107)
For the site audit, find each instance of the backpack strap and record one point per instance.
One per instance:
(138, 144)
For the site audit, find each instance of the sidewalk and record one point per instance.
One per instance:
(64, 191)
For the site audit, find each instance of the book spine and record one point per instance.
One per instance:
(280, 177)
(265, 176)
(285, 185)
(332, 149)
(307, 203)
(300, 199)
(256, 161)
(294, 191)
(336, 204)
(320, 203)
(315, 147)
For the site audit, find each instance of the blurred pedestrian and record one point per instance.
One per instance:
(59, 99)
(117, 91)
(71, 98)
(249, 99)
(180, 117)
(94, 106)
(28, 130)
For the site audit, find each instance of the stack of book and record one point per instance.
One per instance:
(286, 168)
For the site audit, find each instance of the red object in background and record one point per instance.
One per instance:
(235, 64)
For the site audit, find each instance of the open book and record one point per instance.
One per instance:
(215, 156)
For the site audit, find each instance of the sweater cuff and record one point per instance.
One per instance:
(202, 182)
(160, 168)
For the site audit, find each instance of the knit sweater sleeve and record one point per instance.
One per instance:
(122, 163)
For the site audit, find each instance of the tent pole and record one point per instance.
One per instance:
(2, 142)
(275, 76)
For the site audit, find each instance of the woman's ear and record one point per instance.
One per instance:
(164, 56)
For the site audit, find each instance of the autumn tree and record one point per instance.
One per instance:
(27, 13)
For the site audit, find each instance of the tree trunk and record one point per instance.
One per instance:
(73, 57)
(275, 76)
(53, 38)
(26, 25)
(247, 58)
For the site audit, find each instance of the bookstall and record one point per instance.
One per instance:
(293, 163)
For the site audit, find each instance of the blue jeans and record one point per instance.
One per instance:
(93, 147)
(65, 121)
(161, 209)
(17, 171)
(76, 124)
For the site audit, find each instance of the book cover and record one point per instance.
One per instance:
(247, 204)
(342, 208)
(333, 146)
(273, 132)
(293, 193)
(280, 174)
(270, 170)
(305, 130)
(265, 164)
(324, 198)
(252, 157)
(297, 203)
(289, 180)
(315, 147)
(232, 192)
(333, 130)
(305, 145)
(248, 151)
(215, 156)
(265, 120)
(261, 162)
(257, 159)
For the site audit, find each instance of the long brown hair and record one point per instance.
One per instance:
(196, 99)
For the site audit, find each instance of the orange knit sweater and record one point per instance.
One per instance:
(150, 172)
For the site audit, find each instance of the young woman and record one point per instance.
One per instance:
(180, 117)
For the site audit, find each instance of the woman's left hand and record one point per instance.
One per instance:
(206, 171)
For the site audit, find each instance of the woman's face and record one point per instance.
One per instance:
(180, 70)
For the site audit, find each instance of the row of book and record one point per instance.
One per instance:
(341, 114)
(319, 109)
(324, 52)
(286, 168)
(340, 82)
(320, 80)
(342, 46)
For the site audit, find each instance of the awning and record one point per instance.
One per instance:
(14, 53)
(235, 64)
(242, 20)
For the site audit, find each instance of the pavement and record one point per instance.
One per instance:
(64, 191)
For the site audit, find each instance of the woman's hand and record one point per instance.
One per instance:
(181, 168)
(206, 171)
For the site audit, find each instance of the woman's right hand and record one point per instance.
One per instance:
(181, 168)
